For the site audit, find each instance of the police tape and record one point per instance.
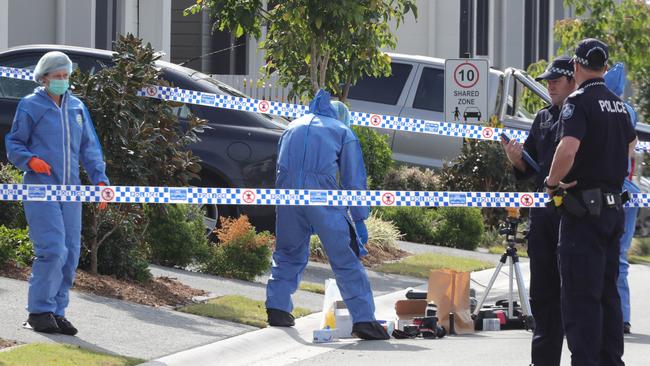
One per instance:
(373, 120)
(282, 197)
(358, 118)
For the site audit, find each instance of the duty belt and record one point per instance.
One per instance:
(588, 201)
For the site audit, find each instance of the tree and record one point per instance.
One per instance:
(625, 27)
(315, 44)
(142, 141)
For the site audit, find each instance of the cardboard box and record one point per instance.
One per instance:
(406, 310)
(343, 320)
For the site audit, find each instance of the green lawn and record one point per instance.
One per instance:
(238, 309)
(421, 265)
(312, 287)
(61, 355)
(498, 249)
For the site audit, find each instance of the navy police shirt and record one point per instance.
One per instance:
(540, 144)
(599, 119)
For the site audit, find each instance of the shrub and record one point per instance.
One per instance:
(407, 178)
(121, 251)
(491, 237)
(12, 214)
(640, 247)
(377, 155)
(459, 227)
(241, 252)
(481, 167)
(175, 234)
(316, 249)
(415, 222)
(142, 140)
(16, 246)
(5, 252)
(382, 237)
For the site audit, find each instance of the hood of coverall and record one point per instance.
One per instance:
(615, 79)
(321, 104)
(342, 112)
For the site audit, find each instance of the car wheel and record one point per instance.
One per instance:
(212, 214)
(210, 220)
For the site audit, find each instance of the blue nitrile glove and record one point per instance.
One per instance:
(362, 231)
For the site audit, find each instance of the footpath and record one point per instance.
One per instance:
(168, 337)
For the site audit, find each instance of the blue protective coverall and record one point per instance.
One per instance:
(63, 137)
(615, 80)
(313, 151)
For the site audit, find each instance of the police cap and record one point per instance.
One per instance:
(591, 52)
(561, 66)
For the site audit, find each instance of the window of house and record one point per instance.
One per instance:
(474, 31)
(482, 27)
(536, 31)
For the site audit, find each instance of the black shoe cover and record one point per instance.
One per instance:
(279, 318)
(369, 331)
(43, 322)
(65, 327)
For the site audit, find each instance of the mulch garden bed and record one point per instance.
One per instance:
(159, 291)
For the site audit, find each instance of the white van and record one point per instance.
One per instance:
(416, 88)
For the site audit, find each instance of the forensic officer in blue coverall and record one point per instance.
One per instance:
(51, 134)
(615, 80)
(546, 346)
(319, 151)
(590, 163)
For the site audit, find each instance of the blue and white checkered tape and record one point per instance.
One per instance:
(358, 118)
(642, 146)
(296, 110)
(282, 197)
(13, 73)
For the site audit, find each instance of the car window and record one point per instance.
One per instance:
(90, 64)
(17, 88)
(528, 102)
(183, 112)
(430, 92)
(385, 89)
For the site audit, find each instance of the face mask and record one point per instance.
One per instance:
(57, 86)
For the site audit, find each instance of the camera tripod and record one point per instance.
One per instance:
(510, 256)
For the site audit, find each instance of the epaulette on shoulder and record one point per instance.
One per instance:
(576, 93)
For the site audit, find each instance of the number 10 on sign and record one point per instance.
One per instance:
(466, 91)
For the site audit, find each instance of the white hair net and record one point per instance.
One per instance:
(342, 112)
(50, 62)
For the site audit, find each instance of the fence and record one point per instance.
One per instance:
(257, 88)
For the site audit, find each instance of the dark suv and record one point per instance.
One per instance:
(239, 150)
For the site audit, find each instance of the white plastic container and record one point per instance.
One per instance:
(491, 325)
(325, 335)
(343, 323)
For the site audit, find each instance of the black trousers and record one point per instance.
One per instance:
(591, 306)
(546, 347)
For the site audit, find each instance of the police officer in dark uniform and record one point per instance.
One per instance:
(596, 140)
(546, 347)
